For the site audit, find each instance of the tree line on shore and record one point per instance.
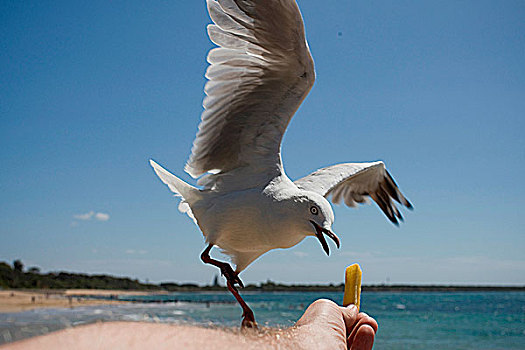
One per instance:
(16, 277)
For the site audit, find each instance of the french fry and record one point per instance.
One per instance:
(352, 294)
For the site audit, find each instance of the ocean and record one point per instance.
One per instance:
(407, 320)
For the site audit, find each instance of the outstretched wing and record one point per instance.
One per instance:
(258, 77)
(354, 182)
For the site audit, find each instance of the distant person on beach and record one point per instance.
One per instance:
(324, 325)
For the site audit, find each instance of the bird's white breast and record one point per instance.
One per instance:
(246, 221)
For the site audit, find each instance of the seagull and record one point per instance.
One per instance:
(258, 76)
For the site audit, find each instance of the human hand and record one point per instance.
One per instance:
(326, 325)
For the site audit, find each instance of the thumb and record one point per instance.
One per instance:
(349, 316)
(325, 311)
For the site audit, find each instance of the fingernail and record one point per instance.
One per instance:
(352, 307)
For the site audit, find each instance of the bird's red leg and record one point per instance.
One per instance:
(248, 320)
(226, 269)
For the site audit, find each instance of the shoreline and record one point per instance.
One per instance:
(19, 300)
(15, 300)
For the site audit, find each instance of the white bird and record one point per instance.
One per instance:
(258, 76)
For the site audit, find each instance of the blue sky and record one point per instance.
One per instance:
(90, 91)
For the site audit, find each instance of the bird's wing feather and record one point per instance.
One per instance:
(257, 78)
(354, 182)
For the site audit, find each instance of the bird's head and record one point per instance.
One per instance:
(318, 218)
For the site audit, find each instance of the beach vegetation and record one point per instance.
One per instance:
(15, 277)
(11, 278)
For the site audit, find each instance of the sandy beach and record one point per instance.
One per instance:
(18, 300)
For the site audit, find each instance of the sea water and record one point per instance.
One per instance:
(407, 320)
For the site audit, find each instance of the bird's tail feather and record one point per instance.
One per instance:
(188, 193)
(176, 185)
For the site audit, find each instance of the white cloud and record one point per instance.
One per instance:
(85, 217)
(92, 215)
(139, 252)
(102, 216)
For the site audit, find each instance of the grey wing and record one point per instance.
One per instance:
(354, 182)
(258, 77)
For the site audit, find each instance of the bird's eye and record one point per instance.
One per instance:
(314, 210)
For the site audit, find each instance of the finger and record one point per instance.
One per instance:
(369, 320)
(364, 338)
(363, 320)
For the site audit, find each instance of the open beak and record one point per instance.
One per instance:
(319, 234)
